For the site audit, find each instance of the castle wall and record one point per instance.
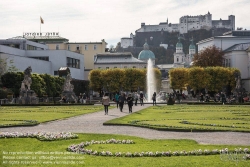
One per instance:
(189, 23)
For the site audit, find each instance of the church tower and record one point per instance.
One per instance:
(179, 55)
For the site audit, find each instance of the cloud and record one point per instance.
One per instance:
(85, 20)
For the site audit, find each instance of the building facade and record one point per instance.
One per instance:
(24, 53)
(117, 60)
(189, 23)
(88, 49)
(235, 45)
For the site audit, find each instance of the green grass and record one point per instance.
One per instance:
(34, 145)
(187, 118)
(14, 116)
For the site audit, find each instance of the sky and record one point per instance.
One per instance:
(94, 20)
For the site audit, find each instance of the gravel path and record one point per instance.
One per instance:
(93, 123)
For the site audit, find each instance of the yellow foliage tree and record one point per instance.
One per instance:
(197, 78)
(178, 78)
(219, 77)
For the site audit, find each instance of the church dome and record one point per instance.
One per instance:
(179, 44)
(146, 53)
(191, 46)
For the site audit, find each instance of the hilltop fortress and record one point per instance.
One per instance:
(189, 23)
(156, 34)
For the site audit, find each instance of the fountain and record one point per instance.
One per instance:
(151, 81)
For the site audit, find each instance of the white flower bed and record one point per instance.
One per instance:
(40, 135)
(80, 148)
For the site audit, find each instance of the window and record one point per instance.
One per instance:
(95, 47)
(57, 47)
(41, 58)
(77, 47)
(85, 47)
(71, 62)
(107, 68)
(56, 73)
(177, 59)
(68, 47)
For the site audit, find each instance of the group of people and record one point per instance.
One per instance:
(82, 98)
(122, 99)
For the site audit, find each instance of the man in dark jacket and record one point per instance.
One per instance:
(141, 98)
(121, 101)
(130, 102)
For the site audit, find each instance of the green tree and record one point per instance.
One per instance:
(178, 78)
(197, 78)
(121, 79)
(38, 85)
(209, 57)
(95, 78)
(219, 77)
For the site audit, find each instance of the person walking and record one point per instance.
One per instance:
(105, 102)
(154, 98)
(136, 98)
(117, 99)
(130, 102)
(84, 98)
(121, 101)
(141, 98)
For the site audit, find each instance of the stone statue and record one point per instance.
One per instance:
(27, 81)
(67, 85)
(238, 82)
(26, 95)
(68, 88)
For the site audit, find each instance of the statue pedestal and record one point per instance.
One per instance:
(70, 96)
(28, 97)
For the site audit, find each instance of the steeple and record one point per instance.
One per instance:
(179, 46)
(192, 47)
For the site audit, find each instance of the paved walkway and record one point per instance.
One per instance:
(93, 123)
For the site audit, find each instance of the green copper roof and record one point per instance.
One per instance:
(179, 44)
(146, 53)
(191, 46)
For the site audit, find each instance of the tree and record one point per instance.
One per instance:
(4, 68)
(197, 78)
(178, 78)
(211, 56)
(113, 80)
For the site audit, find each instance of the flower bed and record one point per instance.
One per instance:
(80, 148)
(22, 123)
(44, 136)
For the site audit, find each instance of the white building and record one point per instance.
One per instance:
(117, 60)
(126, 42)
(235, 44)
(26, 53)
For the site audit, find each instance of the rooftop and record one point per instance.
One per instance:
(117, 58)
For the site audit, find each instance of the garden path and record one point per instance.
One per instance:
(93, 123)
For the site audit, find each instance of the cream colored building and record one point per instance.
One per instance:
(88, 49)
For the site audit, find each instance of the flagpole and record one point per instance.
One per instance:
(40, 25)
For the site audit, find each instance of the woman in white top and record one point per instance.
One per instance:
(105, 102)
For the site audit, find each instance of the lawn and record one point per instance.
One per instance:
(33, 115)
(41, 152)
(190, 118)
